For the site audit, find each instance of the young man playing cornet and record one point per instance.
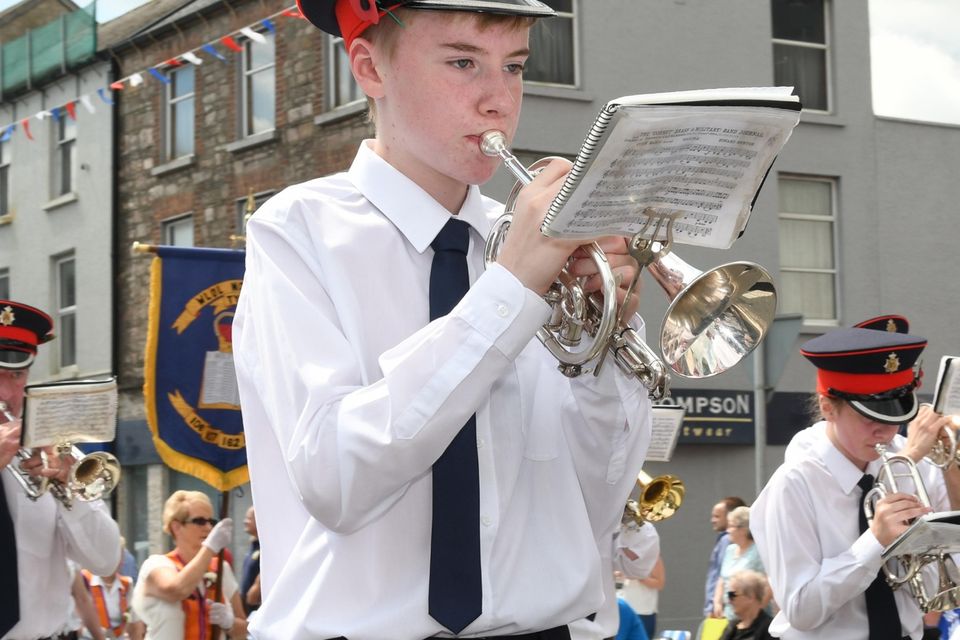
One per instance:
(419, 466)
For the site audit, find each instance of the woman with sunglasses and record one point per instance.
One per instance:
(175, 591)
(748, 590)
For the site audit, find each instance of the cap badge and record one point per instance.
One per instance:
(6, 316)
(891, 325)
(892, 364)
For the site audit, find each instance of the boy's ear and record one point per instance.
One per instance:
(364, 63)
(828, 409)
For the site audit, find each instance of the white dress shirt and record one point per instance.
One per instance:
(805, 524)
(47, 535)
(350, 394)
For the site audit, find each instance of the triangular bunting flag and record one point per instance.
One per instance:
(216, 54)
(87, 103)
(136, 79)
(72, 109)
(230, 43)
(159, 76)
(192, 58)
(117, 86)
(268, 25)
(253, 35)
(103, 95)
(7, 133)
(25, 123)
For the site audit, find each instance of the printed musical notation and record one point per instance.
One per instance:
(698, 165)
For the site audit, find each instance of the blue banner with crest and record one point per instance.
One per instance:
(190, 386)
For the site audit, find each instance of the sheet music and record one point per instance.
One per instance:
(70, 412)
(947, 391)
(665, 430)
(698, 166)
(933, 531)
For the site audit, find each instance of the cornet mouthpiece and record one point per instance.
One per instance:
(493, 143)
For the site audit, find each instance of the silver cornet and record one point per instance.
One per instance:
(92, 476)
(715, 318)
(906, 568)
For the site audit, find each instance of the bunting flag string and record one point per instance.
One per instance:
(228, 41)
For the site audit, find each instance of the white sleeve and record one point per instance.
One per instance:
(644, 542)
(92, 537)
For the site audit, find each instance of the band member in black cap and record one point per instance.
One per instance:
(37, 537)
(822, 557)
(419, 466)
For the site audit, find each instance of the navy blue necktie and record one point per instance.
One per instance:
(10, 602)
(455, 598)
(882, 613)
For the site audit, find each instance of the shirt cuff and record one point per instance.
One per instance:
(499, 307)
(868, 551)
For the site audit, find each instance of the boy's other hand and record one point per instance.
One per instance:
(624, 269)
(529, 255)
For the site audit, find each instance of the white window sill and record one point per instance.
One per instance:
(254, 140)
(173, 165)
(59, 201)
(563, 92)
(6, 219)
(341, 113)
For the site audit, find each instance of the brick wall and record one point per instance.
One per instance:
(211, 185)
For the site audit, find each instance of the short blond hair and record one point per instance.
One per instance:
(177, 506)
(740, 518)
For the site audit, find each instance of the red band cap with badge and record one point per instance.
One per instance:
(22, 329)
(873, 370)
(890, 322)
(350, 18)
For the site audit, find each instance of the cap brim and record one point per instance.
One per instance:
(11, 359)
(893, 411)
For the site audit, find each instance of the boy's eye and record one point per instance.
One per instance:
(463, 63)
(516, 68)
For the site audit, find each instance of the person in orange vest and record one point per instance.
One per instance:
(174, 594)
(111, 598)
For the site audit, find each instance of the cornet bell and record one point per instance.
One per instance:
(716, 317)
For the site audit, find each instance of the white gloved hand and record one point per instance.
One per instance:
(221, 614)
(220, 536)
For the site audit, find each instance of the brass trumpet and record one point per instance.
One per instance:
(657, 499)
(715, 318)
(92, 476)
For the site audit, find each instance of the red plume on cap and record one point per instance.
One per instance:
(365, 10)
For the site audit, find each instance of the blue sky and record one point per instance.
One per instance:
(915, 55)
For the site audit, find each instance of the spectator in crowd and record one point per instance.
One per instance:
(643, 594)
(740, 554)
(175, 592)
(718, 520)
(110, 596)
(747, 593)
(250, 579)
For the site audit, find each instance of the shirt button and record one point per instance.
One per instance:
(480, 443)
(502, 310)
(485, 521)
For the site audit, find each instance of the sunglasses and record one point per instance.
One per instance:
(201, 521)
(731, 595)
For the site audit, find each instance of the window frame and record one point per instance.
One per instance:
(833, 220)
(827, 50)
(246, 75)
(65, 160)
(5, 283)
(170, 102)
(573, 16)
(336, 52)
(167, 225)
(65, 311)
(6, 160)
(259, 198)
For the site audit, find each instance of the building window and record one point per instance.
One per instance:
(178, 232)
(180, 113)
(808, 264)
(259, 86)
(4, 178)
(4, 284)
(553, 44)
(244, 206)
(64, 164)
(800, 50)
(342, 89)
(66, 291)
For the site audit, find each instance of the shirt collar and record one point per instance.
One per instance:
(843, 471)
(411, 209)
